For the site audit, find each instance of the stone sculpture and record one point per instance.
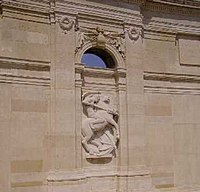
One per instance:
(134, 33)
(100, 131)
(66, 24)
(101, 37)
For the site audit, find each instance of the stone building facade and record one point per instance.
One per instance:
(68, 127)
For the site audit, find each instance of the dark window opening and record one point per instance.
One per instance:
(95, 57)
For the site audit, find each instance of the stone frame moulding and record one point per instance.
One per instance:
(118, 88)
(119, 61)
(113, 42)
(117, 75)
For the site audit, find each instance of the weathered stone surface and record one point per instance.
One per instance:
(147, 100)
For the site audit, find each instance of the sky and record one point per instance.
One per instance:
(92, 60)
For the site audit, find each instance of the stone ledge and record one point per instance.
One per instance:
(26, 80)
(25, 64)
(24, 71)
(188, 3)
(62, 176)
(186, 78)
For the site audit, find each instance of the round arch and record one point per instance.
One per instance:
(119, 62)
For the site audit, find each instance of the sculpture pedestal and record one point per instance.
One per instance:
(101, 179)
(88, 156)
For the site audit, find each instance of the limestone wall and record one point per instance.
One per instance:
(154, 86)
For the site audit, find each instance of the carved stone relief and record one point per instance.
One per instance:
(133, 33)
(66, 24)
(101, 37)
(100, 131)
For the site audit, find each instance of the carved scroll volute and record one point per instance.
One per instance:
(66, 24)
(100, 131)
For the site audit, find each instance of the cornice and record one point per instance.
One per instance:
(50, 11)
(26, 72)
(159, 35)
(90, 18)
(47, 11)
(24, 64)
(192, 4)
(170, 83)
(188, 34)
(171, 8)
(27, 6)
(183, 78)
(95, 12)
(26, 10)
(171, 28)
(171, 90)
(90, 7)
(24, 80)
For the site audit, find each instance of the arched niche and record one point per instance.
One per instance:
(109, 81)
(99, 58)
(118, 61)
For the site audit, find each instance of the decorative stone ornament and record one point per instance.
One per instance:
(66, 24)
(133, 33)
(101, 38)
(100, 131)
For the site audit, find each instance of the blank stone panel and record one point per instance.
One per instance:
(24, 40)
(186, 159)
(29, 117)
(189, 51)
(158, 55)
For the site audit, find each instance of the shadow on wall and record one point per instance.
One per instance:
(116, 3)
(148, 15)
(100, 160)
(95, 57)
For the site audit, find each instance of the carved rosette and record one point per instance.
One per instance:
(101, 38)
(66, 24)
(100, 131)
